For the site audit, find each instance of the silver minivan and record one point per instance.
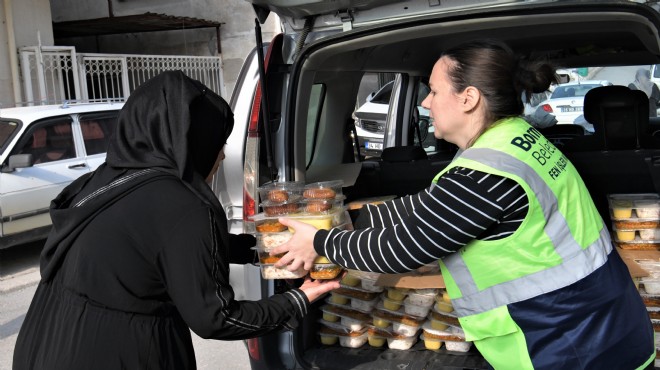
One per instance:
(294, 121)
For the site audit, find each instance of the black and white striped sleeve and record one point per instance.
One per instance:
(388, 213)
(462, 206)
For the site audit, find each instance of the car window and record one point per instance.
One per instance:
(313, 115)
(572, 90)
(96, 131)
(7, 130)
(48, 141)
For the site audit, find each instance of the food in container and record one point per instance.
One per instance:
(639, 244)
(323, 189)
(391, 304)
(401, 342)
(647, 208)
(377, 337)
(352, 319)
(270, 226)
(354, 292)
(350, 279)
(625, 235)
(649, 234)
(268, 240)
(415, 310)
(443, 303)
(328, 336)
(454, 338)
(401, 324)
(432, 344)
(353, 340)
(324, 271)
(380, 322)
(269, 271)
(370, 285)
(397, 294)
(293, 205)
(338, 299)
(318, 221)
(446, 318)
(424, 299)
(330, 317)
(320, 206)
(266, 258)
(362, 305)
(280, 192)
(621, 208)
(651, 284)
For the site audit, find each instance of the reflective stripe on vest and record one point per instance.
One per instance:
(577, 262)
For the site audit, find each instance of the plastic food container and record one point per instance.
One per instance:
(280, 192)
(391, 305)
(415, 310)
(324, 271)
(397, 294)
(365, 306)
(639, 244)
(424, 299)
(321, 221)
(630, 206)
(323, 190)
(401, 342)
(269, 271)
(268, 240)
(432, 344)
(352, 340)
(266, 259)
(355, 292)
(649, 234)
(350, 279)
(444, 318)
(651, 285)
(377, 337)
(369, 284)
(458, 345)
(353, 320)
(270, 225)
(338, 299)
(401, 323)
(322, 206)
(280, 209)
(443, 303)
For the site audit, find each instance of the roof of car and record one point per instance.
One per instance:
(33, 113)
(585, 82)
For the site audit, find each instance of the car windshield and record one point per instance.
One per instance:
(567, 91)
(7, 129)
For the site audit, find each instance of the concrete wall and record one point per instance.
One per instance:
(31, 22)
(236, 34)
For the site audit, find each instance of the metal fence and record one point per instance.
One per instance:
(53, 74)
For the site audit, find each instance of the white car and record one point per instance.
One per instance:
(567, 100)
(42, 150)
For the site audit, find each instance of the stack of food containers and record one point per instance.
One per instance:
(319, 204)
(366, 312)
(636, 226)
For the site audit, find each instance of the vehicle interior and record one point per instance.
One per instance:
(622, 156)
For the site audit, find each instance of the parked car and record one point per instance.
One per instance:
(567, 100)
(42, 150)
(371, 117)
(311, 78)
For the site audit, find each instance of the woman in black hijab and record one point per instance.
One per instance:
(139, 252)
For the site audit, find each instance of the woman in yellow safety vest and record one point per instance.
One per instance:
(536, 283)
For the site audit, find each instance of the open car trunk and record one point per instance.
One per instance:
(312, 120)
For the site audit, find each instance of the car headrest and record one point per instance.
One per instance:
(619, 115)
(403, 154)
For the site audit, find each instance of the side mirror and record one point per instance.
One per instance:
(18, 161)
(370, 96)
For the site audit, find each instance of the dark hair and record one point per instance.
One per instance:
(500, 76)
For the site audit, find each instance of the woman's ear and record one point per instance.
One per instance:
(471, 98)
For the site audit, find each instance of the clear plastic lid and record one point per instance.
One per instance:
(270, 272)
(645, 206)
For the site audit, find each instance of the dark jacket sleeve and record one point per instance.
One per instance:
(195, 268)
(240, 249)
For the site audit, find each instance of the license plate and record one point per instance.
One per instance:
(377, 146)
(571, 109)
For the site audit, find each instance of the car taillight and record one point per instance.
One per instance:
(253, 348)
(547, 108)
(251, 165)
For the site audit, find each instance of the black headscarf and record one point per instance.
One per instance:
(171, 125)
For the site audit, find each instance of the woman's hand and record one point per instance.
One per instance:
(314, 289)
(299, 249)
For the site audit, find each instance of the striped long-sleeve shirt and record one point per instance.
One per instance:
(415, 230)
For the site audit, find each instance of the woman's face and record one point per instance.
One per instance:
(446, 106)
